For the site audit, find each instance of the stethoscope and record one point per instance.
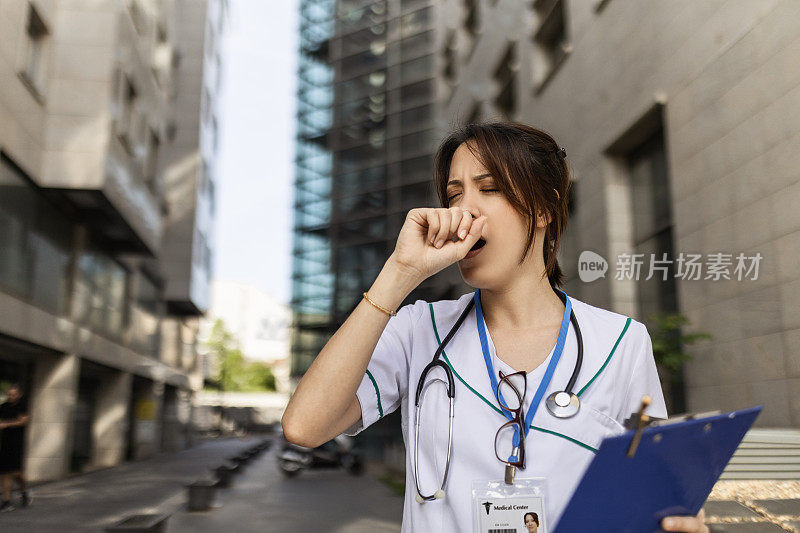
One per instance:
(561, 404)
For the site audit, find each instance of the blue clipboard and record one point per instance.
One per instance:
(672, 473)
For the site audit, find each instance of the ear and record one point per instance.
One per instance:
(543, 219)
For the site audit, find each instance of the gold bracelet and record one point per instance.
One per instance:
(391, 313)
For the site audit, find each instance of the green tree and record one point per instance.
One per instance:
(234, 373)
(669, 340)
(259, 377)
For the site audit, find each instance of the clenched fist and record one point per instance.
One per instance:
(432, 239)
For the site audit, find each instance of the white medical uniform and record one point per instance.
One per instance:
(618, 366)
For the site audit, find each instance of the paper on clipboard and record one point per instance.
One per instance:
(672, 473)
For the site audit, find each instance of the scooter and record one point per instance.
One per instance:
(336, 453)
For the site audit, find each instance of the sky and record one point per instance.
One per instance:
(254, 167)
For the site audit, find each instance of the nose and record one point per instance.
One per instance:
(468, 202)
(470, 207)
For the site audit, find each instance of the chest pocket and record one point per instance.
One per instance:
(587, 428)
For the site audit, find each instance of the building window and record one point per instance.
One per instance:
(652, 223)
(550, 40)
(126, 112)
(416, 45)
(151, 162)
(416, 93)
(416, 118)
(416, 69)
(413, 143)
(101, 293)
(146, 317)
(36, 244)
(33, 71)
(417, 195)
(505, 76)
(415, 22)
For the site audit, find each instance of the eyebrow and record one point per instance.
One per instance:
(479, 177)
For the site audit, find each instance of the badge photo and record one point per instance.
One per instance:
(502, 508)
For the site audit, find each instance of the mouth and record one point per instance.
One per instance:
(476, 249)
(478, 245)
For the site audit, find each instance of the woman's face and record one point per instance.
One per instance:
(505, 230)
(530, 524)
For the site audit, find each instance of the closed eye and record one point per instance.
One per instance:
(482, 190)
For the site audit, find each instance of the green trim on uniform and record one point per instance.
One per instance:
(627, 323)
(490, 404)
(377, 393)
(576, 441)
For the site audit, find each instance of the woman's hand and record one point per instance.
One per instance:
(693, 524)
(453, 227)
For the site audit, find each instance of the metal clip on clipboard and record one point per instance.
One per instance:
(638, 421)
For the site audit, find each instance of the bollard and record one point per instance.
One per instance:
(200, 495)
(224, 473)
(140, 523)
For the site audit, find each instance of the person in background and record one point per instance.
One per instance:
(13, 419)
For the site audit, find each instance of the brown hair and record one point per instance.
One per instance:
(529, 170)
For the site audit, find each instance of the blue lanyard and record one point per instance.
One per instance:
(548, 375)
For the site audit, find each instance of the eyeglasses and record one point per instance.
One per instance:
(509, 441)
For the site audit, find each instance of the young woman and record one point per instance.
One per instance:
(503, 188)
(531, 522)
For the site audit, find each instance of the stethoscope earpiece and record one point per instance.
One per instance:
(562, 404)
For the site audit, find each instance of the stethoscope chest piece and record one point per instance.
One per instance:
(562, 404)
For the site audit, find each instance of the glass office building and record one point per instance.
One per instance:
(364, 155)
(658, 126)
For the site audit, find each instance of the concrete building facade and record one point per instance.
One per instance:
(678, 121)
(97, 322)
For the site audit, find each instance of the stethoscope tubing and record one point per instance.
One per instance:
(437, 362)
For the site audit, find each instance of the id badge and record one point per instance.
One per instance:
(502, 508)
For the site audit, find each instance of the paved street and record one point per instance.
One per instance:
(259, 500)
(262, 500)
(95, 500)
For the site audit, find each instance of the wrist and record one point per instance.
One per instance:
(393, 284)
(407, 277)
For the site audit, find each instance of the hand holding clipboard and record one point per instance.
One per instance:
(661, 468)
